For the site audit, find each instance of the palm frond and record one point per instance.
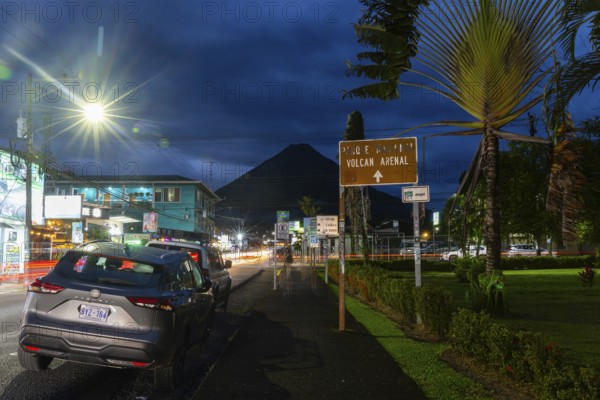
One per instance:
(577, 13)
(380, 90)
(476, 128)
(566, 83)
(520, 138)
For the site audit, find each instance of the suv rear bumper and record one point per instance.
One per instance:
(112, 350)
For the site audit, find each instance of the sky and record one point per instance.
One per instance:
(206, 89)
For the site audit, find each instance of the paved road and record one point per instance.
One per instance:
(78, 381)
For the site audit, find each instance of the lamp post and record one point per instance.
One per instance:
(28, 174)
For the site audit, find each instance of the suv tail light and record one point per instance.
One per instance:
(155, 303)
(39, 286)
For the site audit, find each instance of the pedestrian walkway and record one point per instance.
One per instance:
(290, 348)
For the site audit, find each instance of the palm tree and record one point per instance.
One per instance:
(308, 206)
(487, 57)
(566, 179)
(357, 201)
(580, 70)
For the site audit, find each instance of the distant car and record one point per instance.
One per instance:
(210, 259)
(524, 250)
(458, 253)
(116, 305)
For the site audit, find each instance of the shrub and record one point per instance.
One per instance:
(467, 333)
(467, 267)
(433, 305)
(570, 383)
(406, 300)
(587, 276)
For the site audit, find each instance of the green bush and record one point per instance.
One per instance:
(569, 383)
(523, 356)
(433, 305)
(467, 267)
(406, 300)
(546, 262)
(467, 333)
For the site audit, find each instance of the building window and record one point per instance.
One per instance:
(171, 195)
(158, 195)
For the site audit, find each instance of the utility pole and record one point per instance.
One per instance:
(28, 174)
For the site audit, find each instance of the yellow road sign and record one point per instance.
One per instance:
(378, 162)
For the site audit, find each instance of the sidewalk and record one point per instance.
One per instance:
(290, 348)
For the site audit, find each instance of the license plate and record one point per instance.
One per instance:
(93, 313)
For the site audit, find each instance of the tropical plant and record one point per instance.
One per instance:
(566, 82)
(486, 56)
(308, 207)
(487, 293)
(580, 70)
(357, 201)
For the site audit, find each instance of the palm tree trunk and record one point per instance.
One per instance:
(492, 212)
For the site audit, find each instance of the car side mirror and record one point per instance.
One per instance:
(228, 264)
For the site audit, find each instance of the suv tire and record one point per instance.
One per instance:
(33, 362)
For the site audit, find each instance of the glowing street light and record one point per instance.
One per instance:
(94, 113)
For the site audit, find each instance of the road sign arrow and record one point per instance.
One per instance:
(377, 176)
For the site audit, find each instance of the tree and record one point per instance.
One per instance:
(580, 70)
(566, 180)
(487, 57)
(357, 198)
(523, 191)
(588, 224)
(308, 207)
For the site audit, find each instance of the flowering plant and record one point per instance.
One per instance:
(587, 276)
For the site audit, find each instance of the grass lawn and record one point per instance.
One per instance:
(551, 302)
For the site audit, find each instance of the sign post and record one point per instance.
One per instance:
(416, 195)
(342, 250)
(327, 225)
(372, 162)
(282, 228)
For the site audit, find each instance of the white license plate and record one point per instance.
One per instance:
(94, 313)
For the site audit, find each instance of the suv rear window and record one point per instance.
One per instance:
(195, 254)
(108, 270)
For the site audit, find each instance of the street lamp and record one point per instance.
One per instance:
(94, 113)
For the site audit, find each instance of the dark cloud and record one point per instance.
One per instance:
(219, 86)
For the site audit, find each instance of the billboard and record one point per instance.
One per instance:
(150, 222)
(13, 171)
(62, 207)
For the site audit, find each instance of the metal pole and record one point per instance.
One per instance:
(275, 258)
(342, 246)
(28, 174)
(326, 259)
(417, 246)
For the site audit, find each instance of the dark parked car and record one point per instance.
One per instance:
(116, 305)
(210, 259)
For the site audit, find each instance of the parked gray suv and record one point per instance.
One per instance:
(116, 305)
(210, 260)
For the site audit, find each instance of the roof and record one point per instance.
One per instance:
(99, 180)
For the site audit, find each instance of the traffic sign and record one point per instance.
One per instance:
(378, 162)
(314, 241)
(415, 194)
(283, 216)
(327, 225)
(283, 230)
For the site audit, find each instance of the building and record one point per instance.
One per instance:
(140, 207)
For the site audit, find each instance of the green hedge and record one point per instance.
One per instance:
(372, 283)
(522, 356)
